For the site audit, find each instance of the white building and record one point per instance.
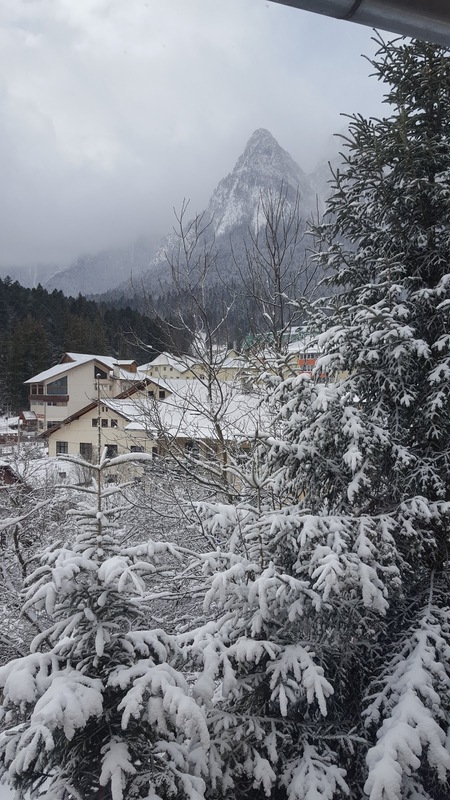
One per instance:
(119, 425)
(70, 385)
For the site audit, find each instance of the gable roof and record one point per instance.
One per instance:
(63, 367)
(76, 359)
(182, 364)
(109, 361)
(28, 416)
(184, 413)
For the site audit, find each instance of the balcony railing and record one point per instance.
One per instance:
(49, 398)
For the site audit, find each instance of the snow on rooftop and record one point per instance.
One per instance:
(136, 426)
(7, 423)
(308, 344)
(125, 375)
(29, 415)
(233, 362)
(84, 358)
(53, 372)
(129, 409)
(187, 412)
(168, 360)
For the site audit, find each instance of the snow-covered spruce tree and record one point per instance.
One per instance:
(99, 710)
(332, 638)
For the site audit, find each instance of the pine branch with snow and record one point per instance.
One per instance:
(326, 668)
(99, 708)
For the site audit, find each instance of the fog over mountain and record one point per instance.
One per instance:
(234, 210)
(95, 274)
(264, 167)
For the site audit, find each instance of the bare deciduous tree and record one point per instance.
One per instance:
(278, 281)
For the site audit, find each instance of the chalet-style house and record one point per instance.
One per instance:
(63, 389)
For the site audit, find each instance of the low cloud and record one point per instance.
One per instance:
(112, 112)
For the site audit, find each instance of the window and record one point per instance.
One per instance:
(86, 451)
(100, 374)
(150, 393)
(53, 424)
(161, 394)
(111, 450)
(154, 452)
(114, 423)
(57, 387)
(62, 447)
(136, 449)
(95, 422)
(104, 423)
(191, 448)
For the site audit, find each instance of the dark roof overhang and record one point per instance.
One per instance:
(421, 19)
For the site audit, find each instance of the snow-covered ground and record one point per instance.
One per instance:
(8, 424)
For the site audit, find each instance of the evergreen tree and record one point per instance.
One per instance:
(99, 710)
(36, 328)
(332, 641)
(28, 353)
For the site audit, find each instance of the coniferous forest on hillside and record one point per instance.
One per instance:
(37, 327)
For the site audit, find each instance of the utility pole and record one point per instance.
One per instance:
(99, 431)
(99, 455)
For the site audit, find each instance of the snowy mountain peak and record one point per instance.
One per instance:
(263, 167)
(262, 141)
(264, 155)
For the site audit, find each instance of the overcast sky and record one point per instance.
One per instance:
(113, 111)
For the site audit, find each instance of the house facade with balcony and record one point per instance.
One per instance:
(60, 391)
